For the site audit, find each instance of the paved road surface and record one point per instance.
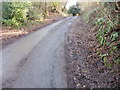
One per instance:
(37, 60)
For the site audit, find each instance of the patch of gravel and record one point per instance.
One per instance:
(84, 68)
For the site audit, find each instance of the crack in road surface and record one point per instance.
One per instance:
(37, 60)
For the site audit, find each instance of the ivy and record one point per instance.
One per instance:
(107, 26)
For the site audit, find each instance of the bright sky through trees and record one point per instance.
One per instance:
(70, 3)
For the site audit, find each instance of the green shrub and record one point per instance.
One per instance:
(14, 13)
(106, 22)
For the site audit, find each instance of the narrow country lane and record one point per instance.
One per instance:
(37, 60)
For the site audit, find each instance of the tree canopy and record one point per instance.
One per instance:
(74, 10)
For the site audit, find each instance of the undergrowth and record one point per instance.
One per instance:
(105, 18)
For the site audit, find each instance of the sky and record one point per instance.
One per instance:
(70, 3)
